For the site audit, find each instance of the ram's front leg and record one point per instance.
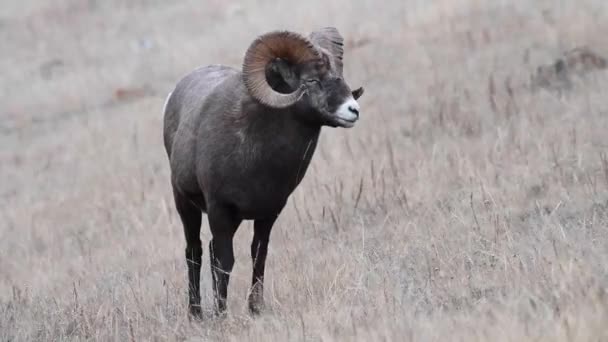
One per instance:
(259, 249)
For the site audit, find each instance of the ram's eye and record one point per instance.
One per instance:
(313, 81)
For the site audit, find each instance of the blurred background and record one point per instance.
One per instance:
(469, 202)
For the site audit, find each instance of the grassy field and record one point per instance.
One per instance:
(466, 205)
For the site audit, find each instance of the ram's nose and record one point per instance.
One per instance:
(354, 108)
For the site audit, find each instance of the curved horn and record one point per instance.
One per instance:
(278, 44)
(330, 40)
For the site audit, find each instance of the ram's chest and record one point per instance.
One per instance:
(267, 175)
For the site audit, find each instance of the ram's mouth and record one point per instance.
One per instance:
(346, 123)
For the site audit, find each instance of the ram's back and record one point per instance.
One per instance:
(183, 105)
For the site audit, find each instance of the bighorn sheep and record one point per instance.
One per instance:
(239, 143)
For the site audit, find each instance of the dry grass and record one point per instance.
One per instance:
(464, 206)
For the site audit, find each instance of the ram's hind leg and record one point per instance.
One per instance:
(223, 223)
(191, 220)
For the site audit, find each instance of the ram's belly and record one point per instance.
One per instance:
(262, 198)
(264, 207)
(255, 198)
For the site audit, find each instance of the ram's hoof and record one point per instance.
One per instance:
(196, 312)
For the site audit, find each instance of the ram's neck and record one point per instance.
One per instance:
(277, 139)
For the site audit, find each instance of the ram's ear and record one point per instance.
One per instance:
(357, 93)
(283, 70)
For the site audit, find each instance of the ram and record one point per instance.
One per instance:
(239, 143)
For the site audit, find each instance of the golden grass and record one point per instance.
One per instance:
(463, 206)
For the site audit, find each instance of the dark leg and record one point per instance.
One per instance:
(259, 248)
(223, 223)
(191, 219)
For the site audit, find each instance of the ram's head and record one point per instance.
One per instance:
(283, 69)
